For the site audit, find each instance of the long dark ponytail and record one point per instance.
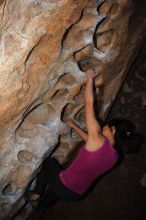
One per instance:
(127, 139)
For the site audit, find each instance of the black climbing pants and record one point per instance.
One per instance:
(49, 176)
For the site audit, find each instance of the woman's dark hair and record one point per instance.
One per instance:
(126, 137)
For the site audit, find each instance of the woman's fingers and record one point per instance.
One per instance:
(90, 73)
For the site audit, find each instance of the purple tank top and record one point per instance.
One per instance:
(87, 166)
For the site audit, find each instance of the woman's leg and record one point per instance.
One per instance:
(49, 166)
(49, 175)
(50, 170)
(56, 186)
(48, 200)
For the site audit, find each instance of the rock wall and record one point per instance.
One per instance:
(45, 47)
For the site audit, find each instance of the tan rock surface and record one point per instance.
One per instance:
(25, 156)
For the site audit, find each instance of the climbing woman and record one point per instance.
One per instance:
(98, 155)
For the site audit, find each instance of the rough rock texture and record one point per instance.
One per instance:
(45, 47)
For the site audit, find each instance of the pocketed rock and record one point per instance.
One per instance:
(27, 129)
(25, 156)
(10, 189)
(41, 114)
(20, 178)
(5, 207)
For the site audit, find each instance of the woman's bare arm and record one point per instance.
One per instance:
(92, 124)
(80, 131)
(95, 138)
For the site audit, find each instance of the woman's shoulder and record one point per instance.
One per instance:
(95, 143)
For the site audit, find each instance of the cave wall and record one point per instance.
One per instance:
(45, 47)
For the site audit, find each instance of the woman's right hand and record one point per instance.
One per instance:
(90, 74)
(70, 123)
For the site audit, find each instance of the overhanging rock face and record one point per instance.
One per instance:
(45, 47)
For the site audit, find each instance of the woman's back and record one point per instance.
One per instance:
(87, 166)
